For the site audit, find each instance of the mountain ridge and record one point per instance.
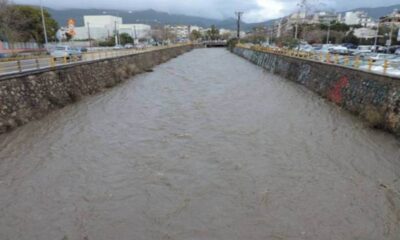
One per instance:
(153, 17)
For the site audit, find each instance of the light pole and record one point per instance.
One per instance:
(329, 33)
(376, 36)
(89, 37)
(239, 15)
(116, 33)
(44, 24)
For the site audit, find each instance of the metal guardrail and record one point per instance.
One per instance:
(22, 65)
(387, 68)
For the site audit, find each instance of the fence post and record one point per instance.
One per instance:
(346, 61)
(385, 66)
(357, 62)
(19, 66)
(52, 62)
(328, 58)
(37, 63)
(370, 64)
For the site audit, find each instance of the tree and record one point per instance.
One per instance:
(24, 23)
(33, 27)
(351, 38)
(195, 35)
(10, 21)
(125, 38)
(109, 42)
(335, 26)
(213, 33)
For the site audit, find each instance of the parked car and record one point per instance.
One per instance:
(339, 50)
(397, 51)
(128, 46)
(140, 46)
(381, 56)
(3, 55)
(349, 45)
(306, 48)
(324, 48)
(379, 49)
(66, 51)
(118, 47)
(362, 49)
(83, 49)
(393, 49)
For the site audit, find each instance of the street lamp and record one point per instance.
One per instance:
(44, 24)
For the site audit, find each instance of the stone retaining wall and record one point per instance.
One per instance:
(373, 97)
(31, 95)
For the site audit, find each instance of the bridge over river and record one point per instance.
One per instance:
(207, 146)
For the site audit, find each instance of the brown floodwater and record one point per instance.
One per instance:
(208, 146)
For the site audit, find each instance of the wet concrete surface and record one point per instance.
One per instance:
(208, 146)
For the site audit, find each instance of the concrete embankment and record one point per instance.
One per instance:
(374, 97)
(32, 95)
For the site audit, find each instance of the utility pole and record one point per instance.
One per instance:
(116, 33)
(134, 29)
(44, 24)
(89, 37)
(329, 33)
(391, 34)
(376, 37)
(297, 25)
(239, 15)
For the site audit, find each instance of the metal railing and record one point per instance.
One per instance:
(391, 68)
(18, 65)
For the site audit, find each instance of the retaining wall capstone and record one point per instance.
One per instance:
(32, 95)
(374, 97)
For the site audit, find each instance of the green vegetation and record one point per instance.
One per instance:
(213, 33)
(195, 35)
(125, 38)
(24, 23)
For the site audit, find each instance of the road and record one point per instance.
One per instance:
(14, 66)
(207, 146)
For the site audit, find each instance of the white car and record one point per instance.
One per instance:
(381, 56)
(66, 51)
(339, 50)
(363, 49)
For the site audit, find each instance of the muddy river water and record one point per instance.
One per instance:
(208, 146)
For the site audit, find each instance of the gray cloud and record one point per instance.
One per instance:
(255, 10)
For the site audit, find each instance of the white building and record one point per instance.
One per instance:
(194, 28)
(358, 18)
(100, 27)
(136, 31)
(365, 33)
(102, 21)
(181, 31)
(325, 17)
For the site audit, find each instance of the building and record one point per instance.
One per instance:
(194, 28)
(359, 18)
(325, 17)
(136, 31)
(365, 33)
(393, 18)
(180, 31)
(101, 27)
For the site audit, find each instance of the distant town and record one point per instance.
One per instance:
(111, 30)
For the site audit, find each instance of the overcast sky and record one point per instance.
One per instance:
(255, 10)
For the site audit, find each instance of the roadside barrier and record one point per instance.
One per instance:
(17, 65)
(387, 68)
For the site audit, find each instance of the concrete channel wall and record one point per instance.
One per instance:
(374, 97)
(32, 95)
